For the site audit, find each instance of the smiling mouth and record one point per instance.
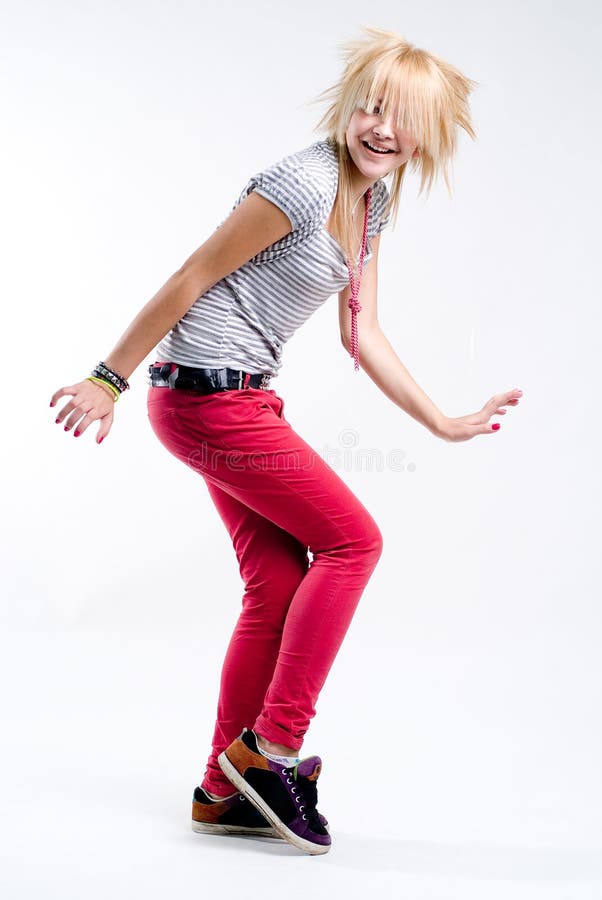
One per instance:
(376, 151)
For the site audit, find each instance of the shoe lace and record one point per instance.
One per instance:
(308, 796)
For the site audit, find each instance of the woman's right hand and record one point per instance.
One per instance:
(90, 401)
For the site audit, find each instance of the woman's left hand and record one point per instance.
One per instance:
(465, 427)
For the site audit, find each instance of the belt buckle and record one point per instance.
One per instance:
(156, 375)
(165, 375)
(265, 380)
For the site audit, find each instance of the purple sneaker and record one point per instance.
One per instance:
(287, 798)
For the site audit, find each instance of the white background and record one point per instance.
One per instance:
(460, 725)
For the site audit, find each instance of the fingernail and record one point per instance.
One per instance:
(76, 433)
(102, 439)
(66, 428)
(56, 421)
(51, 403)
(495, 427)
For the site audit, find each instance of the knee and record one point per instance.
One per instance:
(373, 543)
(367, 546)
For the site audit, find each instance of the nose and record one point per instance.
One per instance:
(385, 128)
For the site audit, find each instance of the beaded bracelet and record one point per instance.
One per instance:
(107, 383)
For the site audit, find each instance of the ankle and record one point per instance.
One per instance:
(217, 797)
(277, 749)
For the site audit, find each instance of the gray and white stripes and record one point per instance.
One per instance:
(245, 319)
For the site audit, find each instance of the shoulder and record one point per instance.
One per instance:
(380, 194)
(317, 162)
(303, 184)
(319, 165)
(379, 215)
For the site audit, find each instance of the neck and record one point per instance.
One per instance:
(359, 185)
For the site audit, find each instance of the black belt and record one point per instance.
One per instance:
(204, 381)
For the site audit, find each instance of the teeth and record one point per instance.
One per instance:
(376, 149)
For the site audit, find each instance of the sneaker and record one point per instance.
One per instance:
(230, 815)
(287, 798)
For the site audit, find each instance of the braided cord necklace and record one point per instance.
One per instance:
(353, 302)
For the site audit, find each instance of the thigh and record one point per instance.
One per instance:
(241, 442)
(266, 553)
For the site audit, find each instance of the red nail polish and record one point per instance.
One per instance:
(102, 439)
(56, 421)
(495, 427)
(76, 433)
(66, 428)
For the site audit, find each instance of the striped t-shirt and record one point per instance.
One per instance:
(245, 319)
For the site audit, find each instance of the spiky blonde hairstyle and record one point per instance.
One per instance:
(427, 95)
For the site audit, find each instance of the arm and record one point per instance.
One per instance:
(377, 357)
(255, 224)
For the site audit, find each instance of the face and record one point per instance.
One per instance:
(371, 128)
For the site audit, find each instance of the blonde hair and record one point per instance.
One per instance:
(428, 95)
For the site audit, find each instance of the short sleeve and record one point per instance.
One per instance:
(294, 186)
(380, 215)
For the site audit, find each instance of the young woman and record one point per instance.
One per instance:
(302, 229)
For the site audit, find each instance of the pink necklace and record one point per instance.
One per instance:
(353, 302)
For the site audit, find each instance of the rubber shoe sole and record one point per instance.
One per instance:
(204, 828)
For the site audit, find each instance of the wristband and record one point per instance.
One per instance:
(107, 383)
(103, 371)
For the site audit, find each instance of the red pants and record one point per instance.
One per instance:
(277, 498)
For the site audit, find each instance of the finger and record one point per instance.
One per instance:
(70, 390)
(83, 424)
(513, 396)
(57, 396)
(102, 432)
(486, 428)
(74, 418)
(62, 392)
(78, 413)
(64, 412)
(506, 397)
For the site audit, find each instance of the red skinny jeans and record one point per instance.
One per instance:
(277, 497)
